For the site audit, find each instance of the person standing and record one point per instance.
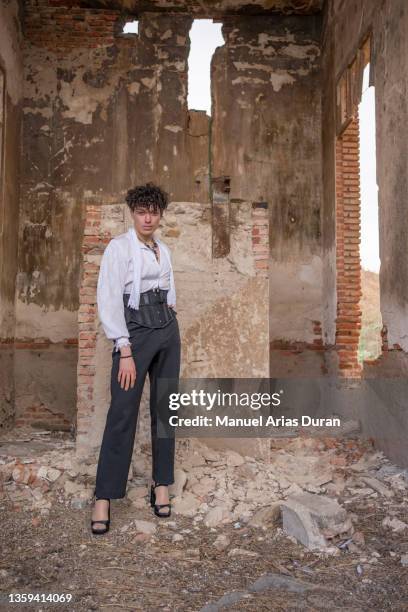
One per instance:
(136, 299)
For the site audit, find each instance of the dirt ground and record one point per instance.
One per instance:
(261, 568)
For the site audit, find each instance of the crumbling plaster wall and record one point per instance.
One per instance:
(223, 332)
(209, 8)
(346, 25)
(267, 81)
(101, 115)
(96, 120)
(11, 65)
(382, 411)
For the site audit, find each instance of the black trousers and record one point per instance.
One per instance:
(156, 352)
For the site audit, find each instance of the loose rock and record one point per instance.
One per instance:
(312, 519)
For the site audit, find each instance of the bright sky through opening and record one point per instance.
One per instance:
(205, 37)
(131, 27)
(369, 247)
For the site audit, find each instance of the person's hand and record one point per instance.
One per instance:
(127, 369)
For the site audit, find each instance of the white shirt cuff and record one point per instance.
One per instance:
(123, 341)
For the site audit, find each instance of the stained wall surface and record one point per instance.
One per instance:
(11, 92)
(224, 333)
(267, 82)
(346, 26)
(210, 9)
(388, 24)
(102, 114)
(96, 122)
(104, 111)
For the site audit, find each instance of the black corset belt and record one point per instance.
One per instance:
(153, 310)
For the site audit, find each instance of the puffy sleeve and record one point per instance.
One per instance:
(110, 287)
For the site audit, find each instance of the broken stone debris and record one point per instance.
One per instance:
(313, 520)
(404, 560)
(394, 523)
(222, 542)
(263, 583)
(298, 486)
(241, 552)
(145, 526)
(267, 516)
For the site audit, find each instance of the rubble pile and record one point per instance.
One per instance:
(306, 488)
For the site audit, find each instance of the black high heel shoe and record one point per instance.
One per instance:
(105, 522)
(158, 506)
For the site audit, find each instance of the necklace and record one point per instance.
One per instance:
(153, 247)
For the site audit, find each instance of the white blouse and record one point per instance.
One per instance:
(116, 277)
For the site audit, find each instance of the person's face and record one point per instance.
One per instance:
(145, 220)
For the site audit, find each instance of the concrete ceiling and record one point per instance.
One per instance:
(212, 8)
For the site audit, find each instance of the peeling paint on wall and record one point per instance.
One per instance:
(279, 79)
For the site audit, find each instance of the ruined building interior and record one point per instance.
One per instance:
(264, 217)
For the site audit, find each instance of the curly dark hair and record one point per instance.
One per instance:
(146, 196)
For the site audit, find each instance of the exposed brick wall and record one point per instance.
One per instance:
(41, 416)
(59, 25)
(392, 361)
(109, 218)
(348, 321)
(7, 394)
(34, 412)
(385, 346)
(260, 238)
(94, 243)
(289, 347)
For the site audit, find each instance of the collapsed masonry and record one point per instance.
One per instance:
(264, 215)
(306, 491)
